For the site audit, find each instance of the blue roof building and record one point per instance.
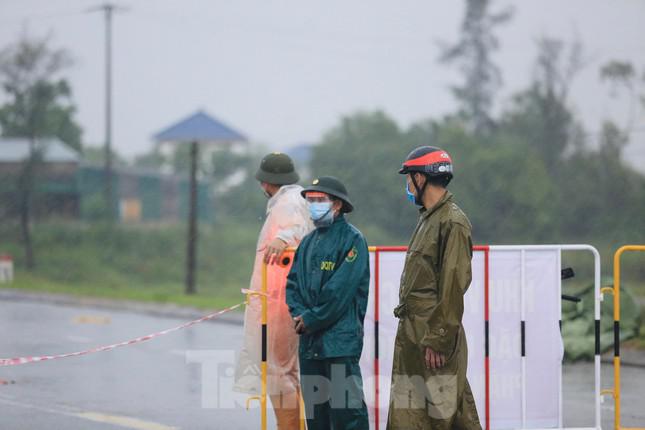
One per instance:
(202, 128)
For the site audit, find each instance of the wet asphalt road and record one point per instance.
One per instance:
(151, 386)
(144, 386)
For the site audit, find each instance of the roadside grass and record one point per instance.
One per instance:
(141, 263)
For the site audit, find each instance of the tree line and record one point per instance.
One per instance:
(527, 173)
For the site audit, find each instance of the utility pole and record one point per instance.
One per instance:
(191, 253)
(108, 9)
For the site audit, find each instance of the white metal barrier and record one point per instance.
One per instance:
(513, 303)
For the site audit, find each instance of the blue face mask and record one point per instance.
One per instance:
(410, 194)
(321, 213)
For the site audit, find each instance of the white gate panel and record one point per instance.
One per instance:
(504, 340)
(516, 293)
(542, 300)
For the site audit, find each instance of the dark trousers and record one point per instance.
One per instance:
(332, 390)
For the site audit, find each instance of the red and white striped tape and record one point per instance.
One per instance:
(25, 360)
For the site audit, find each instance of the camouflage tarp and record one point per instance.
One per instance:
(578, 322)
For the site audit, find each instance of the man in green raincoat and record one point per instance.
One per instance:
(327, 291)
(429, 386)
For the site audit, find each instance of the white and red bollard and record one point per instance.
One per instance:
(6, 269)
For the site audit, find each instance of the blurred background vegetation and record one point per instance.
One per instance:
(528, 173)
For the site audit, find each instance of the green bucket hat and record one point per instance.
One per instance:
(277, 169)
(333, 187)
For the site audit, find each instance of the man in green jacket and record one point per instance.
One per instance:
(429, 386)
(327, 290)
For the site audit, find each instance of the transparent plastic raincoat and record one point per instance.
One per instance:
(287, 218)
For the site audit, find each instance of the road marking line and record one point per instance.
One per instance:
(127, 422)
(92, 319)
(117, 420)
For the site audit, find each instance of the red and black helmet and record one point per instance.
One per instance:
(428, 160)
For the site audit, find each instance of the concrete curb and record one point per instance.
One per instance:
(166, 310)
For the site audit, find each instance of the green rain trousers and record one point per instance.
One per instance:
(332, 390)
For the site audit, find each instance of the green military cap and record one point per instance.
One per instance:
(278, 169)
(333, 187)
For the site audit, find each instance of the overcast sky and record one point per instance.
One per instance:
(283, 72)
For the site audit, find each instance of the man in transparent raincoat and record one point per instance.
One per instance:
(287, 222)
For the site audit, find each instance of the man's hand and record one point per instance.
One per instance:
(274, 250)
(299, 325)
(434, 360)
